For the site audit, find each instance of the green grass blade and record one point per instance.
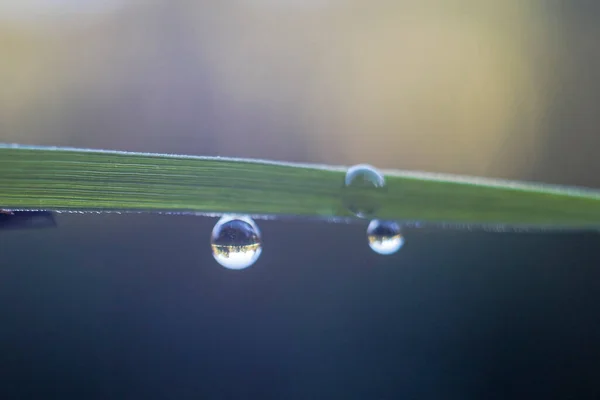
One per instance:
(72, 179)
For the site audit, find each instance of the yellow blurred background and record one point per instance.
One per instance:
(505, 89)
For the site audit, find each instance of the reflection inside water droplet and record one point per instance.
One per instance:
(362, 187)
(236, 242)
(384, 237)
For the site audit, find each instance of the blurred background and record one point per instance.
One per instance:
(501, 89)
(134, 306)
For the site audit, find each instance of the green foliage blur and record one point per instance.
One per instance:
(501, 89)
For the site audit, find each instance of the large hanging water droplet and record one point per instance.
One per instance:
(236, 242)
(384, 237)
(363, 186)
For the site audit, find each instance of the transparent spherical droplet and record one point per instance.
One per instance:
(363, 187)
(236, 242)
(384, 237)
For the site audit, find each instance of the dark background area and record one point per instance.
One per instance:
(134, 306)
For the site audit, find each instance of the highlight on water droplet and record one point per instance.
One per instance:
(236, 242)
(384, 237)
(363, 185)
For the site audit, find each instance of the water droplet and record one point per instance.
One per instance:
(384, 237)
(236, 242)
(363, 186)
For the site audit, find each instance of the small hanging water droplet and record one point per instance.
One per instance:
(236, 242)
(384, 237)
(362, 187)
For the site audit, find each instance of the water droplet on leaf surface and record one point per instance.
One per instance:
(384, 237)
(236, 242)
(363, 186)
